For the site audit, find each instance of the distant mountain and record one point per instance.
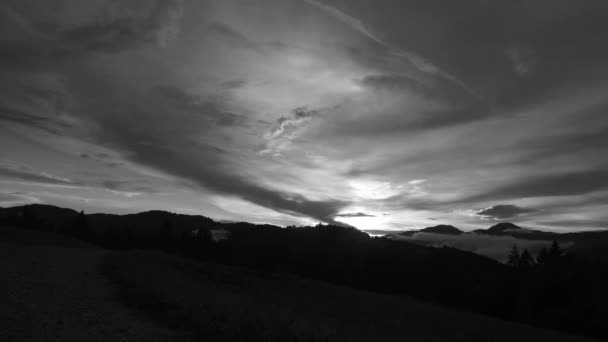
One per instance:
(146, 224)
(150, 222)
(48, 217)
(443, 229)
(439, 229)
(587, 245)
(511, 229)
(502, 228)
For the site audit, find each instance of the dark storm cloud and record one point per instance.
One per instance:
(560, 184)
(504, 211)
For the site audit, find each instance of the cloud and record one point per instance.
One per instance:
(359, 214)
(192, 154)
(16, 198)
(233, 84)
(349, 20)
(523, 59)
(279, 139)
(379, 232)
(394, 82)
(503, 211)
(174, 98)
(600, 223)
(555, 184)
(24, 173)
(218, 113)
(573, 141)
(169, 23)
(108, 27)
(495, 247)
(418, 61)
(234, 37)
(411, 117)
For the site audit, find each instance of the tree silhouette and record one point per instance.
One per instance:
(514, 257)
(542, 256)
(166, 236)
(526, 260)
(79, 227)
(555, 253)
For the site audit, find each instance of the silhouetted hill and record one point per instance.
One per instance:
(45, 217)
(510, 229)
(439, 229)
(502, 227)
(442, 229)
(150, 222)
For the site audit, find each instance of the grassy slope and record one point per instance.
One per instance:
(57, 288)
(225, 303)
(51, 290)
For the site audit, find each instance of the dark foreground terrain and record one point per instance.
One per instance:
(56, 288)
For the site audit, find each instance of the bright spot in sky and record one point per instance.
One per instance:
(373, 190)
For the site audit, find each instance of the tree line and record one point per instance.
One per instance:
(546, 256)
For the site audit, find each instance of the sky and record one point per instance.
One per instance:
(383, 115)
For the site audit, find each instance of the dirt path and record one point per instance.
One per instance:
(52, 293)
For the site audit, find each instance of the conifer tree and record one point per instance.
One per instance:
(514, 257)
(526, 260)
(542, 256)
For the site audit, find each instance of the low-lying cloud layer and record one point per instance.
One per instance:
(495, 247)
(377, 114)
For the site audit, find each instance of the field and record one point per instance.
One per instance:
(58, 289)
